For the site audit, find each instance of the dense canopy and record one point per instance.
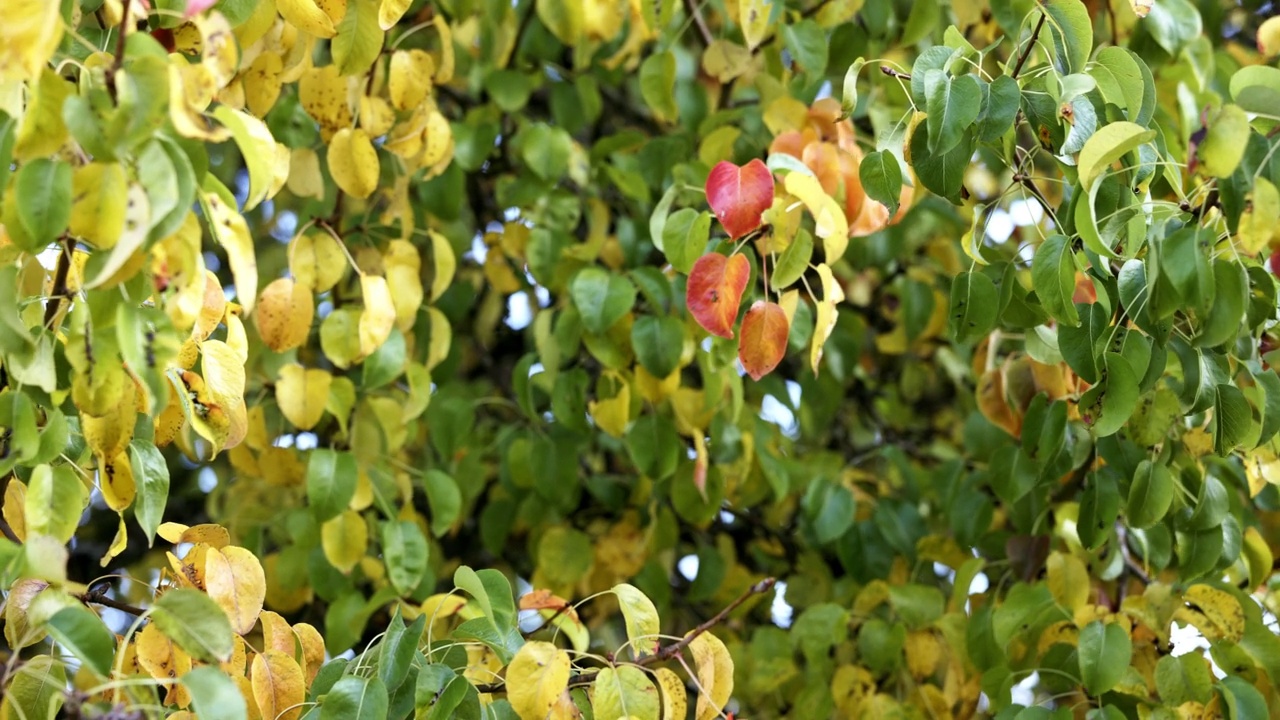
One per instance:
(639, 359)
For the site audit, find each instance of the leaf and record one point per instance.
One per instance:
(675, 699)
(849, 97)
(359, 38)
(1150, 495)
(302, 395)
(658, 342)
(257, 147)
(331, 482)
(43, 198)
(975, 306)
(941, 173)
(881, 178)
(684, 237)
(658, 85)
(1231, 419)
(641, 619)
(445, 500)
(1183, 679)
(213, 695)
(763, 342)
(1104, 652)
(353, 162)
(357, 698)
(1106, 407)
(952, 106)
(1068, 580)
(279, 687)
(286, 310)
(97, 202)
(82, 633)
(624, 692)
(1107, 145)
(714, 291)
(235, 581)
(344, 539)
(228, 227)
(739, 195)
(1071, 33)
(1173, 24)
(405, 551)
(536, 677)
(1001, 100)
(715, 674)
(1053, 275)
(829, 222)
(602, 298)
(1260, 217)
(35, 689)
(1242, 699)
(307, 16)
(55, 499)
(378, 318)
(793, 262)
(195, 623)
(317, 261)
(754, 19)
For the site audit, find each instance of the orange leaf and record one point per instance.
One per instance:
(764, 338)
(740, 195)
(715, 288)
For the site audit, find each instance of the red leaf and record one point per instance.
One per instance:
(714, 291)
(740, 195)
(764, 338)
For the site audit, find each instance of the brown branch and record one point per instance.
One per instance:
(98, 596)
(894, 73)
(59, 290)
(666, 652)
(704, 32)
(1026, 52)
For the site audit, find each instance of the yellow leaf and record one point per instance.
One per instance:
(285, 312)
(1269, 37)
(444, 68)
(390, 12)
(262, 83)
(316, 260)
(110, 433)
(1216, 613)
(923, 651)
(115, 480)
(232, 233)
(257, 147)
(409, 78)
(29, 35)
(224, 376)
(157, 654)
(353, 162)
(1261, 216)
(641, 619)
(221, 54)
(404, 280)
(312, 649)
(42, 131)
(98, 203)
(205, 533)
(725, 60)
(323, 94)
(302, 395)
(535, 678)
(612, 415)
(305, 178)
(308, 17)
(445, 264)
(1068, 580)
(441, 338)
(830, 224)
(191, 88)
(715, 674)
(826, 315)
(675, 700)
(437, 139)
(344, 539)
(753, 18)
(124, 261)
(14, 511)
(1257, 557)
(376, 115)
(340, 338)
(278, 685)
(235, 581)
(379, 315)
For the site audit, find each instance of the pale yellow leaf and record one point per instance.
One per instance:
(830, 224)
(115, 480)
(235, 581)
(612, 415)
(29, 35)
(98, 199)
(316, 260)
(225, 377)
(285, 312)
(353, 162)
(262, 83)
(344, 539)
(305, 178)
(715, 674)
(308, 17)
(1260, 221)
(124, 260)
(409, 78)
(1068, 580)
(536, 677)
(641, 619)
(445, 264)
(675, 699)
(753, 18)
(444, 68)
(278, 685)
(404, 280)
(302, 395)
(232, 233)
(379, 315)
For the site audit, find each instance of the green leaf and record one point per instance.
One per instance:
(808, 45)
(1224, 143)
(1242, 699)
(849, 98)
(36, 689)
(1230, 298)
(213, 695)
(684, 238)
(602, 298)
(1231, 419)
(55, 500)
(881, 177)
(1053, 275)
(43, 198)
(195, 623)
(386, 363)
(952, 106)
(1150, 495)
(641, 619)
(355, 698)
(658, 342)
(654, 446)
(1099, 508)
(359, 38)
(1108, 145)
(1119, 79)
(1182, 679)
(331, 482)
(794, 260)
(1255, 88)
(1173, 24)
(445, 500)
(917, 605)
(942, 173)
(397, 650)
(658, 84)
(83, 634)
(975, 304)
(625, 692)
(151, 476)
(405, 552)
(1104, 651)
(545, 150)
(1071, 34)
(441, 694)
(492, 591)
(1001, 99)
(1107, 406)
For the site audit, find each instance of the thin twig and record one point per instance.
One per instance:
(1026, 52)
(99, 597)
(894, 73)
(704, 32)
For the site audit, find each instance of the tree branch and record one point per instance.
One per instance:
(98, 596)
(1026, 52)
(666, 652)
(704, 32)
(59, 290)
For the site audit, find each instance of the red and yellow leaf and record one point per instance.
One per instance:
(740, 195)
(715, 288)
(764, 338)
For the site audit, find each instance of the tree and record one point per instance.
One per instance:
(570, 358)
